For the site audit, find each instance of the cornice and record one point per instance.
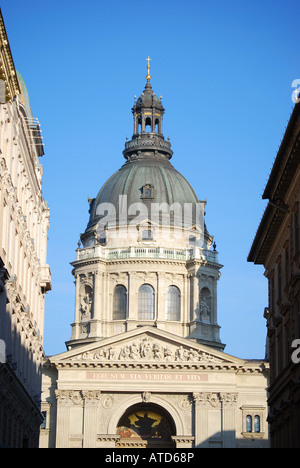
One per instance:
(158, 366)
(7, 68)
(151, 261)
(155, 366)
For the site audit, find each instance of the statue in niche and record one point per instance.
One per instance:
(86, 303)
(205, 306)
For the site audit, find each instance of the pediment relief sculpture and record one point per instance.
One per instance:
(148, 349)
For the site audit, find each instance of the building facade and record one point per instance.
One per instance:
(277, 247)
(24, 273)
(144, 365)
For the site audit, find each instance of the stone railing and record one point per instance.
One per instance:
(146, 252)
(148, 141)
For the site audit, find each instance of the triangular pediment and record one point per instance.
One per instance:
(147, 345)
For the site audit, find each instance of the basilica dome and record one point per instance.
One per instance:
(147, 182)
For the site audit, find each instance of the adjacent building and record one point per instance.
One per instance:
(24, 273)
(145, 365)
(277, 247)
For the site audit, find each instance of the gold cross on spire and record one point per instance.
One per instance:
(148, 77)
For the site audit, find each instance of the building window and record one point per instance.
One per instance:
(252, 421)
(147, 235)
(147, 191)
(120, 303)
(148, 125)
(146, 302)
(252, 427)
(248, 423)
(173, 303)
(44, 415)
(256, 423)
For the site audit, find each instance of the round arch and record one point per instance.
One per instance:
(148, 424)
(123, 406)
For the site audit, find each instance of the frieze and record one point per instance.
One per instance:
(147, 349)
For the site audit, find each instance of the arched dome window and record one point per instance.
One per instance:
(146, 302)
(173, 303)
(120, 303)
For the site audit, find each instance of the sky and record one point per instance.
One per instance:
(225, 70)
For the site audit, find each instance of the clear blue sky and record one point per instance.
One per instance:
(224, 69)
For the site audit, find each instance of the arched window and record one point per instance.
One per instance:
(146, 302)
(148, 125)
(173, 303)
(139, 122)
(249, 423)
(256, 424)
(120, 303)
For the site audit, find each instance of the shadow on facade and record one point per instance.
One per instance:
(20, 416)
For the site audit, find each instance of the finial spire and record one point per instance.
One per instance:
(148, 77)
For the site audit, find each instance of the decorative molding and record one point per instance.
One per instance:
(7, 68)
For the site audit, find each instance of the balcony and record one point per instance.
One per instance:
(147, 252)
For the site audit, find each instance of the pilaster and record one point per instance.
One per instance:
(91, 401)
(228, 419)
(204, 401)
(65, 401)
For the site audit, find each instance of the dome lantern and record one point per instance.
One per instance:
(148, 114)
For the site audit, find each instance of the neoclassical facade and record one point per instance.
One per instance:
(24, 273)
(277, 247)
(145, 365)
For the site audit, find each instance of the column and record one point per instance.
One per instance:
(75, 331)
(132, 300)
(97, 295)
(161, 298)
(196, 298)
(228, 419)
